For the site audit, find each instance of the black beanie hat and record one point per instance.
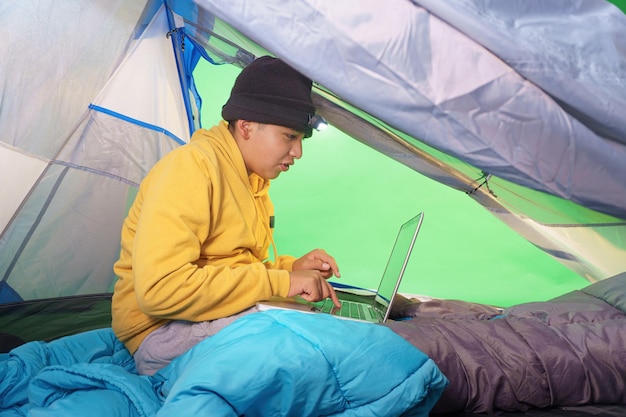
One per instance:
(270, 91)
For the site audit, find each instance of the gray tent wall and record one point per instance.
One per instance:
(392, 61)
(545, 114)
(529, 127)
(91, 99)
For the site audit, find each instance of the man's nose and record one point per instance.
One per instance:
(296, 149)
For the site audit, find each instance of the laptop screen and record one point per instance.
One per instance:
(396, 264)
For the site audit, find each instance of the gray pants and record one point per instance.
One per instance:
(175, 338)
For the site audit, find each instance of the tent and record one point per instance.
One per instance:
(527, 122)
(493, 135)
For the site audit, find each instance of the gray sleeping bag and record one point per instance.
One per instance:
(568, 351)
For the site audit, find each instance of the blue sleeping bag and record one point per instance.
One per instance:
(276, 363)
(287, 363)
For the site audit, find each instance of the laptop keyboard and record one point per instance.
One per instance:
(348, 309)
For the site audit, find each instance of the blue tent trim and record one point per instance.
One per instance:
(8, 294)
(185, 68)
(137, 122)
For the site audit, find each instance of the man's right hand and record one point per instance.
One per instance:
(311, 286)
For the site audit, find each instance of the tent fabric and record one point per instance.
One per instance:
(585, 80)
(439, 88)
(396, 66)
(517, 104)
(463, 93)
(89, 131)
(390, 60)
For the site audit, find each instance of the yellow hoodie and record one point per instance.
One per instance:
(196, 240)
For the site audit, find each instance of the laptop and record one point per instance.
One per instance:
(356, 303)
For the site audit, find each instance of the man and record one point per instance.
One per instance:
(195, 244)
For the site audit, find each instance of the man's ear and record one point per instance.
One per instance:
(244, 127)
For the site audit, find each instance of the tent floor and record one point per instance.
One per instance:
(50, 319)
(582, 411)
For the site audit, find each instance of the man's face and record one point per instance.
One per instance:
(271, 149)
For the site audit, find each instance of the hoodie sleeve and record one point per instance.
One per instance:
(282, 262)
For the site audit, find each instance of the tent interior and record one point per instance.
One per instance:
(502, 123)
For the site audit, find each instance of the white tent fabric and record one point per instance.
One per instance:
(125, 92)
(466, 92)
(84, 136)
(14, 192)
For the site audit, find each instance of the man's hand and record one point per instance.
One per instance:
(311, 285)
(318, 260)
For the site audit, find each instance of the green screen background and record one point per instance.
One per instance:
(350, 200)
